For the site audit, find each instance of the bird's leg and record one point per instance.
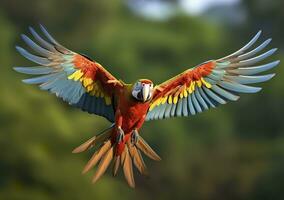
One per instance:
(120, 135)
(134, 137)
(118, 123)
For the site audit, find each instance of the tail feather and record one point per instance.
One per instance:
(85, 146)
(102, 136)
(137, 159)
(97, 156)
(116, 165)
(147, 150)
(107, 152)
(127, 168)
(104, 163)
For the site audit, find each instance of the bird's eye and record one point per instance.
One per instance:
(143, 84)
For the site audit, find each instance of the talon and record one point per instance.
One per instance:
(134, 137)
(120, 136)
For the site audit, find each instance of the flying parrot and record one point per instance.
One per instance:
(86, 84)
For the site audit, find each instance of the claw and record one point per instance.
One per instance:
(134, 136)
(120, 136)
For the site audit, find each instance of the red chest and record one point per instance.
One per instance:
(132, 111)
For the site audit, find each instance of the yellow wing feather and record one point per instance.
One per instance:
(172, 98)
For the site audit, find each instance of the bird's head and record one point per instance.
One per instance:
(142, 90)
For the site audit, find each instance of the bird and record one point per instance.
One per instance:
(87, 85)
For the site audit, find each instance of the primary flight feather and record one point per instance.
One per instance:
(86, 84)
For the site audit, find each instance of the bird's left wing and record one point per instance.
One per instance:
(75, 78)
(212, 83)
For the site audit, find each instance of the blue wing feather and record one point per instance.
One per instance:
(56, 66)
(34, 70)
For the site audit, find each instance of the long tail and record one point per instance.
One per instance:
(107, 153)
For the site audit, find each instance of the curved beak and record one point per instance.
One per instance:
(145, 92)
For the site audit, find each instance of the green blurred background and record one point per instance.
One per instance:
(233, 152)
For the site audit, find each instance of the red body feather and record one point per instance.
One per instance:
(130, 115)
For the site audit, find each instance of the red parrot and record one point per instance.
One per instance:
(86, 84)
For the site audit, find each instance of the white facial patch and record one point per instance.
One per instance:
(142, 91)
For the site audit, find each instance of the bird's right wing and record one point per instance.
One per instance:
(73, 77)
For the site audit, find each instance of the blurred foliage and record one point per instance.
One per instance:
(233, 152)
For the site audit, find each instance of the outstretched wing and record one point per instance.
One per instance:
(75, 78)
(212, 83)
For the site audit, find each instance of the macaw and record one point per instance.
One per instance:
(86, 84)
